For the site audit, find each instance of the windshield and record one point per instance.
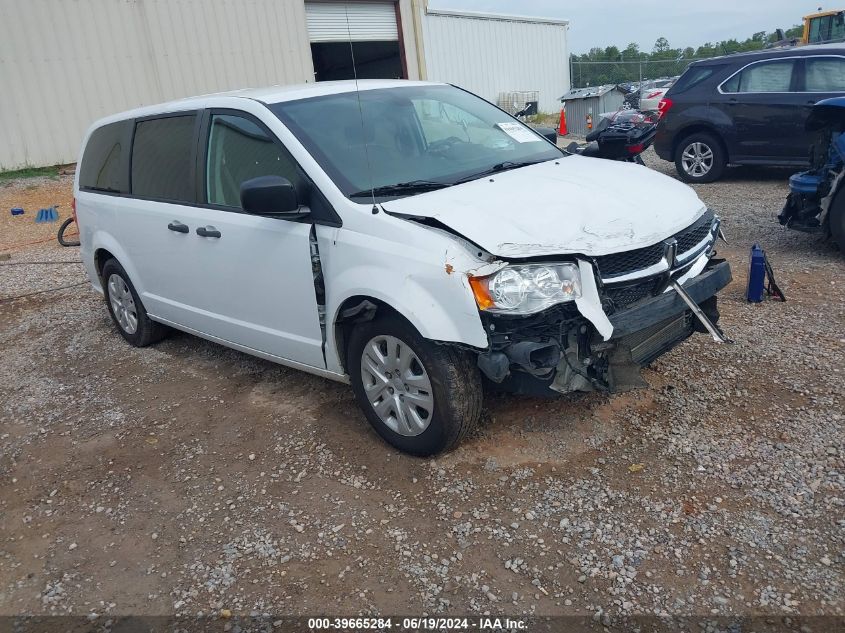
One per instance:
(413, 138)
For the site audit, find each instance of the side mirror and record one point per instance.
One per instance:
(548, 132)
(269, 195)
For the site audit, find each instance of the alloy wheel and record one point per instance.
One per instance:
(122, 304)
(397, 385)
(697, 159)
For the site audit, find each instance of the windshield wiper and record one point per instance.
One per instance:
(414, 186)
(499, 167)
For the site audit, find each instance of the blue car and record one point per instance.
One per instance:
(816, 202)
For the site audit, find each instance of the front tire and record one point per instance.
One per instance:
(700, 158)
(126, 309)
(420, 397)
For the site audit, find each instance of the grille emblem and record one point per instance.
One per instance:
(670, 251)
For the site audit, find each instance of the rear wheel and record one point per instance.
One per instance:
(420, 397)
(126, 309)
(700, 158)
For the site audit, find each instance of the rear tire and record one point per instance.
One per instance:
(389, 360)
(126, 309)
(836, 220)
(700, 158)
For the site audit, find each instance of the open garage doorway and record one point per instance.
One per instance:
(372, 28)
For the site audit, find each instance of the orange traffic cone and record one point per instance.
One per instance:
(561, 130)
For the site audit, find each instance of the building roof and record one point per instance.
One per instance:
(586, 93)
(502, 17)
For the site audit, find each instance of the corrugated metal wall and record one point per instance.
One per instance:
(489, 56)
(577, 110)
(65, 63)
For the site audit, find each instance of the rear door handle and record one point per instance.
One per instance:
(178, 227)
(208, 231)
(732, 102)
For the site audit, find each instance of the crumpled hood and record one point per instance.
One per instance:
(580, 205)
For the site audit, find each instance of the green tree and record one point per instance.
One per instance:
(661, 45)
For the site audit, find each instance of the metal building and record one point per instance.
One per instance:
(491, 54)
(592, 101)
(66, 63)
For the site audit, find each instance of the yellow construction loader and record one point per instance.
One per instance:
(824, 26)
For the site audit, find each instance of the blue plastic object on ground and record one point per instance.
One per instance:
(17, 211)
(47, 215)
(756, 275)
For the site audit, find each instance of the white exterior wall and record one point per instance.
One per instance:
(66, 63)
(488, 55)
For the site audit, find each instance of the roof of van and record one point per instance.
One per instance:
(785, 51)
(269, 95)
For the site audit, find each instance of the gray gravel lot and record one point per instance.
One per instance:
(188, 478)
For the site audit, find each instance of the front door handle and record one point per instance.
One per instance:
(208, 231)
(178, 227)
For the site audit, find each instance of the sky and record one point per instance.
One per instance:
(683, 22)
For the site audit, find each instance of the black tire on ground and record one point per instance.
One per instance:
(147, 330)
(455, 380)
(707, 143)
(61, 234)
(836, 220)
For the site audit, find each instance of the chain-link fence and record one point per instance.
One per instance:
(586, 73)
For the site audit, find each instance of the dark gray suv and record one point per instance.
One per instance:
(746, 109)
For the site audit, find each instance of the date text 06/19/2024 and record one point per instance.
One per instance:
(415, 624)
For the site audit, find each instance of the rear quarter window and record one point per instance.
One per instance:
(695, 76)
(163, 158)
(105, 161)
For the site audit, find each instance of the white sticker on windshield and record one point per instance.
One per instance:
(518, 132)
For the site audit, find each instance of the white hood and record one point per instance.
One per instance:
(580, 205)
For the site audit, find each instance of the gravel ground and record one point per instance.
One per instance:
(31, 194)
(187, 478)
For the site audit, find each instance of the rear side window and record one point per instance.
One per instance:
(693, 77)
(162, 158)
(825, 74)
(104, 163)
(773, 76)
(238, 150)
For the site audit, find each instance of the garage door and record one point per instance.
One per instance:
(356, 21)
(354, 40)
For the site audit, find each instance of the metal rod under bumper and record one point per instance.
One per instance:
(714, 330)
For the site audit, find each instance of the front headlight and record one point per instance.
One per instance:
(527, 288)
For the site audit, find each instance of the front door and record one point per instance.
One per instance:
(251, 281)
(765, 107)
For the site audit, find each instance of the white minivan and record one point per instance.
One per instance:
(409, 238)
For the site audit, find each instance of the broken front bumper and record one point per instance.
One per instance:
(560, 350)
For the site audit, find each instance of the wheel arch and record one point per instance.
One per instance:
(356, 309)
(106, 247)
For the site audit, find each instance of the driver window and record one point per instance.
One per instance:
(238, 149)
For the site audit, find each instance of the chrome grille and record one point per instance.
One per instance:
(692, 236)
(621, 263)
(618, 264)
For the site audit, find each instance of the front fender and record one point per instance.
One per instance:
(440, 307)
